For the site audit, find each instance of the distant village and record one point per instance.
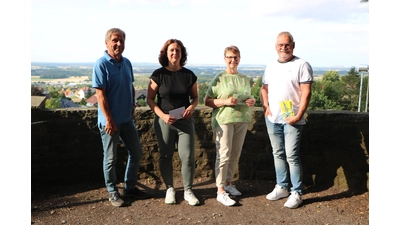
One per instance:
(72, 81)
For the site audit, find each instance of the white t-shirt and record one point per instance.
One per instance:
(283, 80)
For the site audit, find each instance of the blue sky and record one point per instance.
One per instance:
(327, 32)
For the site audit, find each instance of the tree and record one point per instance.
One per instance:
(88, 93)
(202, 92)
(331, 76)
(319, 101)
(255, 91)
(36, 91)
(142, 102)
(55, 94)
(320, 97)
(333, 91)
(331, 86)
(53, 103)
(82, 102)
(351, 90)
(364, 93)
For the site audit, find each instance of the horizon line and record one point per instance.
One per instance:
(211, 64)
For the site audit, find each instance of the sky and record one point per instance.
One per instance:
(327, 32)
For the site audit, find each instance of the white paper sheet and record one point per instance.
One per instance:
(177, 113)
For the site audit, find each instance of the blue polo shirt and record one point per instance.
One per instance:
(117, 78)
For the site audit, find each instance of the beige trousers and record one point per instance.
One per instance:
(229, 139)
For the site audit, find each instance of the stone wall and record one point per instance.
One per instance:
(66, 148)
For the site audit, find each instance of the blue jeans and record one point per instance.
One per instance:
(128, 133)
(285, 142)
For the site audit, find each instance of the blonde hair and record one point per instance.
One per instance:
(233, 49)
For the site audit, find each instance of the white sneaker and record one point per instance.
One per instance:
(189, 196)
(115, 199)
(170, 196)
(294, 200)
(224, 199)
(277, 193)
(231, 189)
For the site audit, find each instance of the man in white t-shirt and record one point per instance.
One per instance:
(285, 95)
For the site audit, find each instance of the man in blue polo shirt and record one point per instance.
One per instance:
(113, 79)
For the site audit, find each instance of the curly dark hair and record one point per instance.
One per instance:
(163, 58)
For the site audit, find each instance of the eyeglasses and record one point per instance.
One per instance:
(284, 45)
(232, 57)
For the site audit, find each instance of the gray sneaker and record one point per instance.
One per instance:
(116, 199)
(231, 189)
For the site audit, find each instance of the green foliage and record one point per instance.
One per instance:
(89, 93)
(55, 94)
(255, 91)
(336, 90)
(351, 90)
(82, 102)
(57, 73)
(331, 76)
(142, 102)
(141, 81)
(338, 93)
(53, 103)
(319, 101)
(202, 92)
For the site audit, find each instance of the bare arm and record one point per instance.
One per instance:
(304, 100)
(151, 95)
(264, 100)
(217, 102)
(110, 127)
(194, 102)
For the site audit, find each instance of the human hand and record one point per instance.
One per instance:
(250, 102)
(267, 111)
(188, 112)
(110, 127)
(168, 119)
(291, 120)
(231, 101)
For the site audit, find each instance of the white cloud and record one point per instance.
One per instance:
(119, 1)
(200, 2)
(309, 10)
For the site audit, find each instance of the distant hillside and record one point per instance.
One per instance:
(84, 68)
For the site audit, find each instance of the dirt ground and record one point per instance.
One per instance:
(88, 204)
